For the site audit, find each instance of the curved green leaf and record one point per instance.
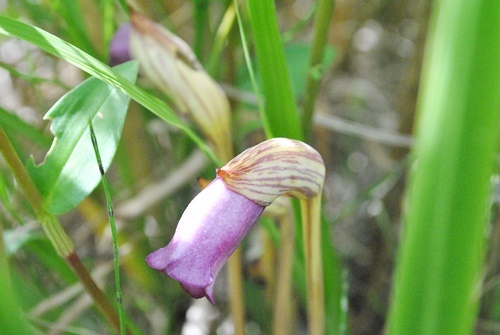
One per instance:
(69, 172)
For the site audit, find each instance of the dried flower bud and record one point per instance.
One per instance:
(275, 167)
(169, 63)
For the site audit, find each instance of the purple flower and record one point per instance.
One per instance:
(217, 220)
(209, 231)
(119, 49)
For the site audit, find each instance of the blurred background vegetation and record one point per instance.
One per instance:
(363, 125)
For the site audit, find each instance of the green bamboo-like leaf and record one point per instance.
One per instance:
(438, 277)
(68, 52)
(280, 106)
(68, 173)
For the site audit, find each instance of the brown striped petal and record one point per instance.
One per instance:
(275, 167)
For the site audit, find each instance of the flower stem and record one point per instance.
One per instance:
(236, 300)
(283, 323)
(311, 230)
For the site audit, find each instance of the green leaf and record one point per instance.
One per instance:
(69, 172)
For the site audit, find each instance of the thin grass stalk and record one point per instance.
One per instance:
(440, 264)
(112, 224)
(280, 105)
(323, 16)
(53, 229)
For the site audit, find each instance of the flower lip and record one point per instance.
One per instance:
(210, 229)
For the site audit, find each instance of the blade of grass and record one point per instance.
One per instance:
(255, 86)
(68, 52)
(112, 224)
(280, 107)
(441, 258)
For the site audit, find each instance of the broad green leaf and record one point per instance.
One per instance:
(70, 172)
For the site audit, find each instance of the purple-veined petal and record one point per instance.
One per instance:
(211, 228)
(278, 166)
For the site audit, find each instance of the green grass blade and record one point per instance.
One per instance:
(64, 50)
(112, 224)
(251, 73)
(440, 263)
(280, 106)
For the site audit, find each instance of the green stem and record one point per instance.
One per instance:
(281, 112)
(112, 224)
(441, 258)
(322, 21)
